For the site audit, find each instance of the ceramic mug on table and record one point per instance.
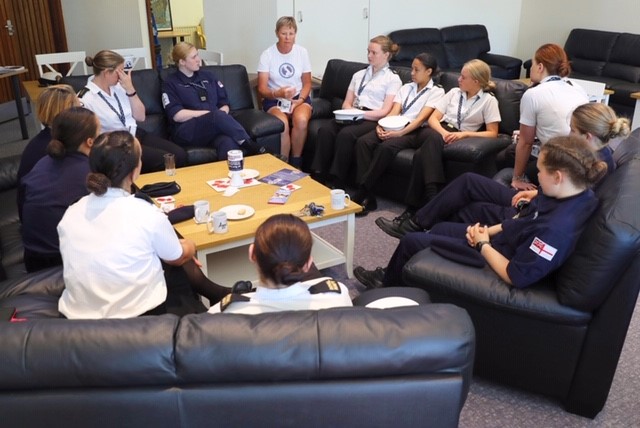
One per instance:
(201, 211)
(339, 199)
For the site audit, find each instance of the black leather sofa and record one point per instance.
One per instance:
(607, 57)
(562, 336)
(452, 47)
(343, 367)
(262, 127)
(468, 155)
(11, 248)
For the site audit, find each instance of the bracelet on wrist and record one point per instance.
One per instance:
(521, 177)
(481, 244)
(132, 94)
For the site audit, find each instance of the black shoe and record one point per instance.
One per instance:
(242, 287)
(253, 148)
(368, 204)
(399, 226)
(370, 278)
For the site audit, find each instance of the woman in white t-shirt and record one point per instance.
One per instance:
(281, 251)
(284, 80)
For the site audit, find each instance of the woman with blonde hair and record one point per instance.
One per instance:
(461, 113)
(284, 74)
(197, 106)
(111, 95)
(371, 90)
(51, 101)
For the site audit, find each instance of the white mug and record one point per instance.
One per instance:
(218, 222)
(284, 105)
(201, 211)
(339, 199)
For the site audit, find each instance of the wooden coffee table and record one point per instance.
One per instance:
(224, 256)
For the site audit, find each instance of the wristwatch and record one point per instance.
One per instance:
(481, 244)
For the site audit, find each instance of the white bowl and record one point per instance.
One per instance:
(349, 115)
(393, 123)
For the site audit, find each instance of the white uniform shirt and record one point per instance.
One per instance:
(482, 108)
(285, 69)
(369, 91)
(296, 297)
(109, 116)
(111, 246)
(408, 93)
(549, 105)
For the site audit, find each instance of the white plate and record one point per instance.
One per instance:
(247, 173)
(393, 123)
(238, 212)
(349, 114)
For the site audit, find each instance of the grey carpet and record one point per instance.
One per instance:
(490, 404)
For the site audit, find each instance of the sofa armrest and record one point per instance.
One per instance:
(475, 149)
(503, 61)
(442, 277)
(322, 108)
(527, 68)
(258, 123)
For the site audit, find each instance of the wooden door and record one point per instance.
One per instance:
(37, 27)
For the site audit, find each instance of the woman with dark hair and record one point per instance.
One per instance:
(197, 107)
(113, 243)
(111, 95)
(282, 253)
(54, 183)
(372, 91)
(524, 249)
(545, 110)
(375, 150)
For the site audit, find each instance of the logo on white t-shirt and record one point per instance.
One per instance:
(287, 70)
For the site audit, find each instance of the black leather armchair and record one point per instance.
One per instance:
(11, 249)
(562, 336)
(290, 369)
(452, 47)
(264, 128)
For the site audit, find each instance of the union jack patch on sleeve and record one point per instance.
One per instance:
(543, 249)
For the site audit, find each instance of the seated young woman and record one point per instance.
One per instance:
(197, 106)
(54, 183)
(371, 90)
(472, 197)
(469, 110)
(376, 150)
(282, 253)
(113, 244)
(527, 248)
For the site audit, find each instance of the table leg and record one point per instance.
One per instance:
(635, 123)
(349, 243)
(15, 84)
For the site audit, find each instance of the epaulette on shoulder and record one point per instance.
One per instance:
(143, 196)
(231, 298)
(326, 286)
(82, 92)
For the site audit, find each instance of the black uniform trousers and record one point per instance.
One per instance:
(215, 129)
(154, 148)
(427, 167)
(335, 147)
(373, 155)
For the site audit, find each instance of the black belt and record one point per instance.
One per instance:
(449, 127)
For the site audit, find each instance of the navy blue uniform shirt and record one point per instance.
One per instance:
(202, 91)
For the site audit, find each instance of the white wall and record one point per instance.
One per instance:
(88, 30)
(550, 21)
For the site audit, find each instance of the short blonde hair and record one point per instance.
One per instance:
(286, 21)
(599, 120)
(480, 71)
(53, 100)
(386, 44)
(181, 51)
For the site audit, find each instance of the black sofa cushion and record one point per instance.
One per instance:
(418, 40)
(624, 62)
(463, 43)
(589, 50)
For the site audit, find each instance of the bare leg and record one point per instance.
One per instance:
(301, 116)
(285, 138)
